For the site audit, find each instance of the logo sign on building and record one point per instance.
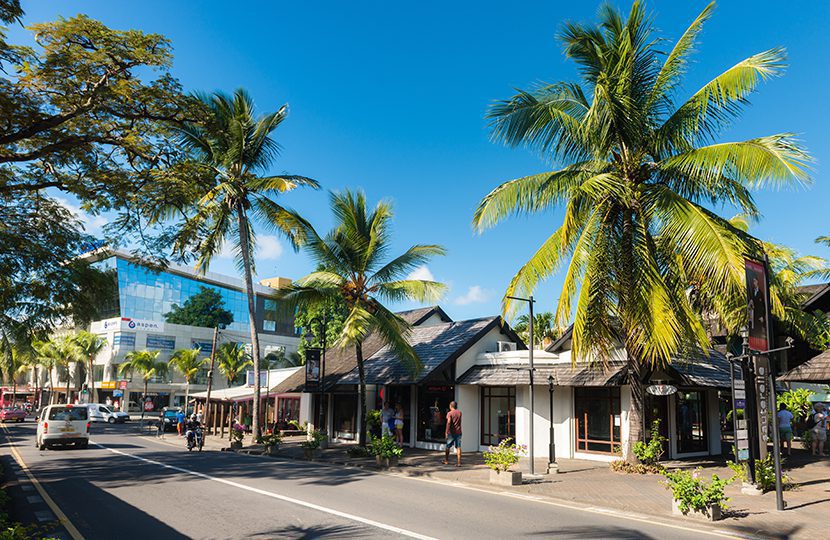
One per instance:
(108, 385)
(122, 385)
(107, 325)
(205, 347)
(143, 325)
(757, 305)
(312, 370)
(162, 343)
(124, 340)
(249, 378)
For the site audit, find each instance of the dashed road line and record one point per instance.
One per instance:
(68, 525)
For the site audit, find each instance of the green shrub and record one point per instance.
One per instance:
(271, 439)
(357, 451)
(315, 439)
(798, 402)
(765, 474)
(649, 453)
(385, 447)
(373, 422)
(692, 492)
(623, 466)
(500, 458)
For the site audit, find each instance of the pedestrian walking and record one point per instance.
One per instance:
(819, 431)
(399, 424)
(180, 418)
(453, 434)
(160, 428)
(785, 428)
(387, 419)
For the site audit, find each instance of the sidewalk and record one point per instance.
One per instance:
(594, 484)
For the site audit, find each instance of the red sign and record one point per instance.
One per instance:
(122, 385)
(148, 405)
(757, 304)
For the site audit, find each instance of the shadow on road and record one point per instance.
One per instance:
(303, 533)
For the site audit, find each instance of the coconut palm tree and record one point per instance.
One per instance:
(48, 356)
(543, 328)
(146, 364)
(233, 146)
(353, 266)
(90, 345)
(70, 355)
(639, 173)
(232, 360)
(187, 362)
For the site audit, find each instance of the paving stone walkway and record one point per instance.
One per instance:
(594, 484)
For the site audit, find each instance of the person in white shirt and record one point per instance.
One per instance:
(819, 430)
(785, 428)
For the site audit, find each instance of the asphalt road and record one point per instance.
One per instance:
(131, 486)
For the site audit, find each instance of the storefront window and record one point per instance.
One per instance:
(288, 410)
(498, 414)
(598, 422)
(433, 405)
(691, 421)
(345, 416)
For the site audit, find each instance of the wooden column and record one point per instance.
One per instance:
(222, 425)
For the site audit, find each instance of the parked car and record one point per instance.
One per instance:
(12, 414)
(170, 421)
(62, 425)
(98, 412)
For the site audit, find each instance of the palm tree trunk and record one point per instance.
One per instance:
(68, 377)
(256, 426)
(361, 374)
(143, 400)
(627, 305)
(92, 397)
(36, 400)
(14, 389)
(51, 387)
(186, 395)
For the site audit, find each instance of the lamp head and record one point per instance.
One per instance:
(744, 332)
(789, 341)
(309, 336)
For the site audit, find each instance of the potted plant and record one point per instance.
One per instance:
(272, 442)
(500, 459)
(386, 451)
(692, 495)
(237, 434)
(312, 443)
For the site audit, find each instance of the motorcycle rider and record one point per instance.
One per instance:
(191, 426)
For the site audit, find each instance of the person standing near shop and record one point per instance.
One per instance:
(785, 428)
(387, 419)
(180, 418)
(453, 434)
(819, 430)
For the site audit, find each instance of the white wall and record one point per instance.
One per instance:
(468, 398)
(562, 419)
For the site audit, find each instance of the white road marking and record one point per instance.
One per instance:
(292, 500)
(34, 499)
(44, 515)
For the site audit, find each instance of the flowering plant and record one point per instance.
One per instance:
(385, 447)
(237, 432)
(271, 439)
(500, 458)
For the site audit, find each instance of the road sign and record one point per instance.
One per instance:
(122, 385)
(743, 454)
(740, 384)
(742, 434)
(148, 405)
(117, 393)
(742, 444)
(740, 403)
(740, 394)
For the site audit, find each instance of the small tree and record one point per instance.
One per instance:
(89, 345)
(205, 309)
(232, 360)
(187, 362)
(145, 363)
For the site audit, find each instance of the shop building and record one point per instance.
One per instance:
(134, 319)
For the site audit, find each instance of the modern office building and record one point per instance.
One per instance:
(134, 319)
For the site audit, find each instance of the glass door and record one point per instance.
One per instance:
(691, 422)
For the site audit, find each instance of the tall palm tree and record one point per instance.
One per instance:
(232, 146)
(14, 360)
(187, 362)
(232, 360)
(90, 345)
(639, 173)
(146, 364)
(543, 327)
(352, 265)
(48, 356)
(70, 355)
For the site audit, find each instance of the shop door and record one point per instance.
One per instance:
(657, 409)
(402, 395)
(691, 422)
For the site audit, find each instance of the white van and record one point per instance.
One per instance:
(63, 424)
(98, 412)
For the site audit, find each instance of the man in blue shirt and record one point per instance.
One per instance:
(180, 423)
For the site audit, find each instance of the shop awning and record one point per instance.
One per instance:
(815, 370)
(565, 375)
(710, 372)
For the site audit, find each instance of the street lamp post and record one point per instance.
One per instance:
(210, 373)
(530, 372)
(322, 325)
(553, 467)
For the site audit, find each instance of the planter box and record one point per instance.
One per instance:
(309, 453)
(324, 444)
(236, 445)
(506, 478)
(713, 513)
(271, 450)
(386, 462)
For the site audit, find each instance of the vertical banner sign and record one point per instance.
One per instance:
(763, 392)
(757, 304)
(312, 370)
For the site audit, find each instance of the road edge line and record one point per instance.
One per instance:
(65, 521)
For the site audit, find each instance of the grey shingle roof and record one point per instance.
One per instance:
(816, 370)
(564, 375)
(435, 345)
(702, 370)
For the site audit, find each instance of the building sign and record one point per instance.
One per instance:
(263, 378)
(108, 385)
(205, 347)
(763, 397)
(126, 324)
(124, 340)
(122, 385)
(757, 304)
(312, 370)
(163, 343)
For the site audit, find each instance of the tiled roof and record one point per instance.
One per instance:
(702, 370)
(815, 370)
(435, 345)
(340, 361)
(563, 374)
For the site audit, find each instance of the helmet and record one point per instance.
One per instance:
(193, 417)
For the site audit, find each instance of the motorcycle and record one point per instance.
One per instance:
(195, 439)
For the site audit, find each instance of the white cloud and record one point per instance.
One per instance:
(268, 248)
(422, 273)
(474, 295)
(91, 223)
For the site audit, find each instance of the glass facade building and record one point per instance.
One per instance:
(146, 294)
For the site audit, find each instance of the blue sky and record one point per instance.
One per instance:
(390, 97)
